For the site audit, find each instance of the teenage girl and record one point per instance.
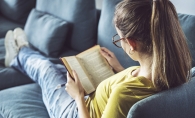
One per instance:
(149, 33)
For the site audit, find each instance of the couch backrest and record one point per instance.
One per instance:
(81, 14)
(16, 10)
(188, 25)
(106, 31)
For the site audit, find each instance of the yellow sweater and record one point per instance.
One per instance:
(115, 95)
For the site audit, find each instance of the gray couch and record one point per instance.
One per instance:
(79, 26)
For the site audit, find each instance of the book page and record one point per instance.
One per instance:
(75, 65)
(96, 65)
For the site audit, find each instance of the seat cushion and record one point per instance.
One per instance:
(16, 10)
(22, 102)
(174, 103)
(9, 77)
(6, 25)
(81, 14)
(2, 51)
(46, 32)
(188, 25)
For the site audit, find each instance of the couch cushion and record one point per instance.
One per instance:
(106, 31)
(6, 25)
(66, 52)
(2, 51)
(188, 25)
(22, 102)
(46, 32)
(9, 77)
(82, 16)
(17, 10)
(175, 103)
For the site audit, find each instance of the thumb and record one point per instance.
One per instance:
(68, 77)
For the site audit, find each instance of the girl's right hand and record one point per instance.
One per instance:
(111, 58)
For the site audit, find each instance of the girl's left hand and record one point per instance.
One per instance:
(74, 87)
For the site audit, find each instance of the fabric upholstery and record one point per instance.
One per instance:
(6, 24)
(23, 102)
(16, 10)
(106, 31)
(81, 14)
(46, 32)
(174, 103)
(65, 52)
(9, 77)
(188, 25)
(2, 51)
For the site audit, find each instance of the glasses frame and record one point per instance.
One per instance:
(114, 42)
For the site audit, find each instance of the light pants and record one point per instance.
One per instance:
(49, 77)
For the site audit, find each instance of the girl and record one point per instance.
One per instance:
(149, 33)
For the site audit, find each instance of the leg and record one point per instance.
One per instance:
(58, 102)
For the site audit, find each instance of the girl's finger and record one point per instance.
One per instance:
(107, 51)
(75, 75)
(105, 55)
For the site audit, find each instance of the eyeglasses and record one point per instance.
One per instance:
(116, 40)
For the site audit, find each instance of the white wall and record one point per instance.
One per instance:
(182, 6)
(185, 6)
(99, 4)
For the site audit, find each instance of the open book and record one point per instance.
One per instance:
(90, 66)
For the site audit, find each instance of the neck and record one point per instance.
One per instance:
(145, 67)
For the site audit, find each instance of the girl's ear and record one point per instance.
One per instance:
(132, 43)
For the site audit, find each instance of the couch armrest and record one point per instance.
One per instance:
(178, 102)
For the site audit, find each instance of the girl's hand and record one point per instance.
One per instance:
(111, 58)
(74, 87)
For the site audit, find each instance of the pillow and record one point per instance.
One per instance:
(46, 32)
(82, 16)
(17, 10)
(188, 25)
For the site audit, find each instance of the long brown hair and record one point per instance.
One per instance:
(156, 25)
